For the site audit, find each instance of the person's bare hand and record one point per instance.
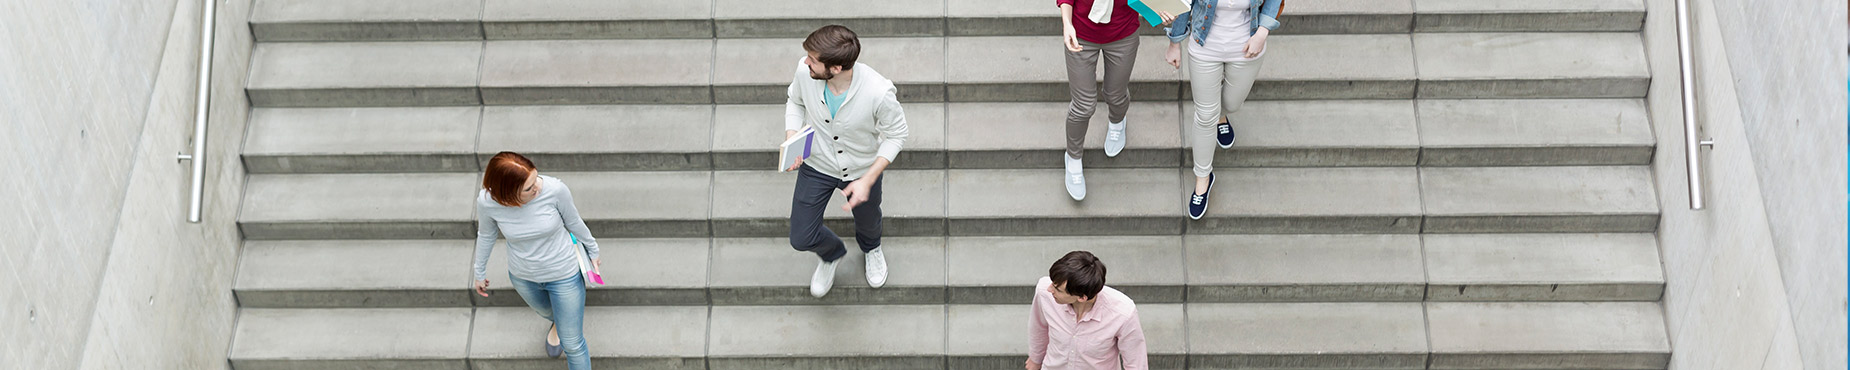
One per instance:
(1165, 16)
(1072, 39)
(1256, 44)
(856, 193)
(1174, 56)
(597, 265)
(481, 287)
(1033, 365)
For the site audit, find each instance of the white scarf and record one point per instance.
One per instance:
(1101, 11)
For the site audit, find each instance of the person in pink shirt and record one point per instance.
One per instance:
(1078, 323)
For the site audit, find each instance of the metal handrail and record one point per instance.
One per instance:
(1691, 145)
(198, 156)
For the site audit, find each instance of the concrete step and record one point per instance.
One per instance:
(1569, 335)
(414, 338)
(356, 20)
(1307, 335)
(984, 270)
(1543, 267)
(1524, 199)
(929, 69)
(1023, 202)
(1530, 65)
(1338, 133)
(1217, 336)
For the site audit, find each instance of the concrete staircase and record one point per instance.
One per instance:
(1419, 184)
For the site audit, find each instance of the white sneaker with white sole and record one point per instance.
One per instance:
(823, 280)
(876, 267)
(1075, 177)
(1114, 138)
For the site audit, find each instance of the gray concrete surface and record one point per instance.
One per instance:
(1033, 135)
(362, 20)
(1730, 279)
(1033, 202)
(1306, 335)
(594, 19)
(1788, 89)
(1305, 200)
(597, 72)
(365, 74)
(99, 200)
(1310, 268)
(372, 273)
(345, 140)
(617, 337)
(1314, 133)
(583, 19)
(1538, 199)
(1516, 15)
(601, 138)
(1331, 67)
(1534, 132)
(420, 338)
(1531, 65)
(784, 337)
(1575, 335)
(641, 204)
(1543, 267)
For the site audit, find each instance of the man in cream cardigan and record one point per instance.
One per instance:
(859, 130)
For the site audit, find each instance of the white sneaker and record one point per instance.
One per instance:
(1114, 138)
(876, 267)
(1075, 178)
(825, 278)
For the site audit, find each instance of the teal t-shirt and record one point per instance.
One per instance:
(833, 100)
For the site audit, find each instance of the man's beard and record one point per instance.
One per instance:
(821, 77)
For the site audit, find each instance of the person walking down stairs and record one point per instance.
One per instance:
(536, 215)
(858, 129)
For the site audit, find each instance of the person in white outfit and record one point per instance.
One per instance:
(1226, 45)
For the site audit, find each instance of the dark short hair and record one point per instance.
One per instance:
(834, 45)
(1082, 273)
(506, 172)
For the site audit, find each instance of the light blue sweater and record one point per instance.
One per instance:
(538, 243)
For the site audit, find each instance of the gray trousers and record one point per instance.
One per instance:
(1082, 77)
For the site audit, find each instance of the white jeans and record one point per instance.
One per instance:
(1219, 88)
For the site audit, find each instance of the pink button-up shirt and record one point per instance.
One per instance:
(1059, 340)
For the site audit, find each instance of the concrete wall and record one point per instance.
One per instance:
(100, 268)
(1756, 281)
(1792, 94)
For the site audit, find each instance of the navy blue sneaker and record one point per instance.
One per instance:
(1198, 203)
(1224, 133)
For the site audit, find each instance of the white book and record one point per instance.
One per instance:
(584, 264)
(797, 147)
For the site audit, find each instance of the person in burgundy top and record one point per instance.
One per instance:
(1092, 28)
(1078, 323)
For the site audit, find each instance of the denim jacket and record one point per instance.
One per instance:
(1201, 17)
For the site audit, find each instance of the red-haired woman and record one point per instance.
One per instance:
(536, 215)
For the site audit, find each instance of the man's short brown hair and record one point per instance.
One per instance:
(835, 46)
(1082, 273)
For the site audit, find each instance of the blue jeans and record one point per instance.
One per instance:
(563, 303)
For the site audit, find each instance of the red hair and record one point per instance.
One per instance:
(506, 172)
